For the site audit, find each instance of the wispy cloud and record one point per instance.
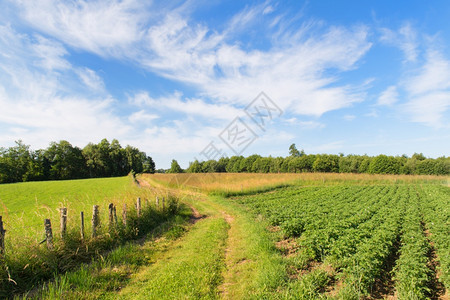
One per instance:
(389, 96)
(429, 91)
(102, 27)
(91, 79)
(190, 107)
(405, 38)
(177, 48)
(41, 98)
(349, 117)
(305, 124)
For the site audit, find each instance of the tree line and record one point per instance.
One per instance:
(61, 161)
(298, 162)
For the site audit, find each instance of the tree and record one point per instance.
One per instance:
(66, 161)
(222, 164)
(294, 152)
(194, 167)
(275, 164)
(15, 162)
(135, 159)
(383, 164)
(210, 166)
(419, 156)
(149, 165)
(261, 165)
(234, 163)
(364, 165)
(326, 163)
(175, 167)
(247, 163)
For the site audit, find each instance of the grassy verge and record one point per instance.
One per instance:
(114, 271)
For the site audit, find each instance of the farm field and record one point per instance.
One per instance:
(274, 236)
(355, 241)
(347, 236)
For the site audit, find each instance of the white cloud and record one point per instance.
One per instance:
(102, 27)
(305, 124)
(299, 70)
(142, 116)
(405, 39)
(431, 109)
(434, 75)
(349, 117)
(50, 54)
(268, 9)
(40, 98)
(291, 72)
(429, 91)
(389, 96)
(91, 79)
(190, 107)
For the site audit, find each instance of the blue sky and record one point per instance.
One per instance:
(169, 77)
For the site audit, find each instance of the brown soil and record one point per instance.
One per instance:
(274, 228)
(333, 288)
(228, 218)
(196, 216)
(288, 247)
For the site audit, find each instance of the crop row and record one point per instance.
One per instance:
(359, 231)
(436, 211)
(412, 274)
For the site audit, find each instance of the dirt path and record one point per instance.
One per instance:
(196, 216)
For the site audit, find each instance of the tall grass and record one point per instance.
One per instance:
(27, 263)
(231, 184)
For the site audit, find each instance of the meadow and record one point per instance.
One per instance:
(24, 206)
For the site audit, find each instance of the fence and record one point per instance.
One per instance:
(112, 220)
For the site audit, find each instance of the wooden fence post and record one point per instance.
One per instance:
(2, 237)
(48, 233)
(82, 225)
(63, 221)
(111, 215)
(157, 202)
(124, 214)
(95, 220)
(138, 207)
(115, 215)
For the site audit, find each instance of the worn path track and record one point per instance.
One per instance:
(245, 250)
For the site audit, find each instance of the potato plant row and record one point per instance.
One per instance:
(364, 232)
(436, 213)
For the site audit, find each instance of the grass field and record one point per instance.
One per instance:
(274, 236)
(24, 206)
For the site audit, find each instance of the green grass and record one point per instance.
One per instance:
(114, 271)
(232, 253)
(190, 270)
(255, 266)
(27, 263)
(24, 206)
